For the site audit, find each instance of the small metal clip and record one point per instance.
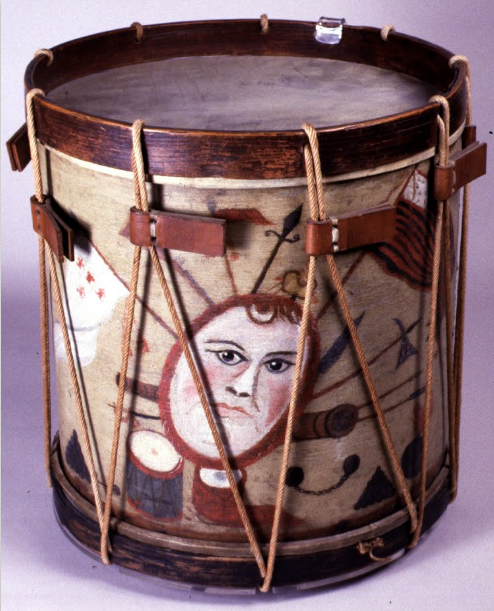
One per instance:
(335, 234)
(329, 30)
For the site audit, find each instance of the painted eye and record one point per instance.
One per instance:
(277, 365)
(230, 357)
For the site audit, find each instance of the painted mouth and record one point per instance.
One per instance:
(233, 412)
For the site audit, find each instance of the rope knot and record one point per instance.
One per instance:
(457, 58)
(444, 125)
(368, 547)
(264, 24)
(385, 30)
(464, 59)
(47, 53)
(139, 31)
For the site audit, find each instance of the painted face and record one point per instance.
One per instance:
(249, 370)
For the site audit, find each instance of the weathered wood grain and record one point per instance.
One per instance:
(261, 154)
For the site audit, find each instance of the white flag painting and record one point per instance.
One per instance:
(92, 291)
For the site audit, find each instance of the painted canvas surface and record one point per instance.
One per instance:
(242, 314)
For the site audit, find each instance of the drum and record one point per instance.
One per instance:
(368, 463)
(154, 480)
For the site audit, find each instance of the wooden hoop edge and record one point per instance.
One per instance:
(202, 571)
(253, 155)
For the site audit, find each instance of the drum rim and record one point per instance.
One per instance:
(74, 510)
(221, 547)
(246, 154)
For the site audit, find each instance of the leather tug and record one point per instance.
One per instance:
(48, 224)
(463, 168)
(353, 230)
(197, 234)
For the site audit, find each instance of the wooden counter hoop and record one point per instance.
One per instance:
(202, 570)
(241, 154)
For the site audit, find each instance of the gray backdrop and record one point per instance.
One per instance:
(454, 567)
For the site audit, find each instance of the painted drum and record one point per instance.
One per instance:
(154, 480)
(223, 105)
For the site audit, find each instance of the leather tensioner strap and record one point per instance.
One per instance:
(352, 230)
(198, 234)
(48, 224)
(463, 168)
(18, 149)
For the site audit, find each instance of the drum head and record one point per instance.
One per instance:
(153, 451)
(244, 93)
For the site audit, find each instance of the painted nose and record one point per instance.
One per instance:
(232, 390)
(243, 385)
